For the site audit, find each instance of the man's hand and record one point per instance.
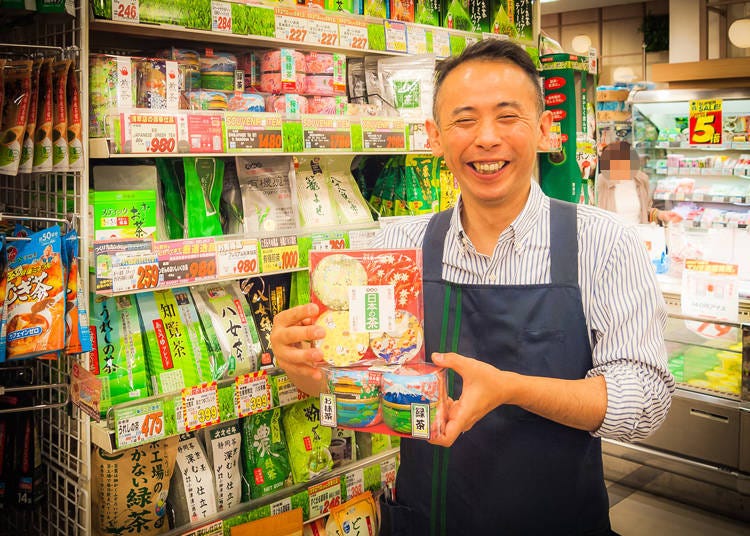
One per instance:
(291, 339)
(482, 392)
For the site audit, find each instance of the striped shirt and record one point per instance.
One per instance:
(622, 302)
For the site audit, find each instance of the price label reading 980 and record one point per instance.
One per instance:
(200, 405)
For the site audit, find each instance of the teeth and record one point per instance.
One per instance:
(487, 167)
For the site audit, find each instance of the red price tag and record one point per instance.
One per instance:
(269, 141)
(202, 268)
(125, 11)
(297, 34)
(148, 276)
(246, 266)
(162, 145)
(328, 38)
(289, 259)
(152, 424)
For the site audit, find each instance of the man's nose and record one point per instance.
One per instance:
(489, 133)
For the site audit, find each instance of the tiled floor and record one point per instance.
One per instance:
(635, 513)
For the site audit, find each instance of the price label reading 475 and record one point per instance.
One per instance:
(138, 425)
(252, 393)
(200, 406)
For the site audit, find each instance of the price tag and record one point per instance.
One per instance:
(255, 132)
(383, 134)
(221, 16)
(698, 196)
(324, 496)
(328, 410)
(355, 483)
(311, 28)
(86, 389)
(149, 133)
(395, 36)
(416, 39)
(325, 132)
(718, 198)
(388, 472)
(710, 290)
(138, 425)
(106, 252)
(441, 43)
(286, 391)
(353, 34)
(236, 257)
(329, 241)
(679, 196)
(205, 133)
(186, 261)
(212, 529)
(279, 507)
(470, 40)
(252, 393)
(126, 11)
(200, 406)
(705, 122)
(134, 272)
(361, 239)
(279, 253)
(736, 199)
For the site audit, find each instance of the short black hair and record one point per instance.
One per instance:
(490, 50)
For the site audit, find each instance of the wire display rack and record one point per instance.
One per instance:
(40, 200)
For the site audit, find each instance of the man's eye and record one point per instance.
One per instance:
(507, 117)
(464, 120)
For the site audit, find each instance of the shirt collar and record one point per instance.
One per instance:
(519, 227)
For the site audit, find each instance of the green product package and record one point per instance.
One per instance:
(124, 214)
(266, 462)
(173, 198)
(117, 358)
(228, 320)
(390, 178)
(420, 197)
(514, 18)
(428, 12)
(449, 189)
(61, 7)
(176, 351)
(344, 6)
(204, 179)
(480, 12)
(308, 441)
(375, 8)
(267, 295)
(456, 16)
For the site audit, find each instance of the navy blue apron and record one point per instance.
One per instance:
(514, 472)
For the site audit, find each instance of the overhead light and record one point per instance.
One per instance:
(581, 44)
(548, 1)
(739, 33)
(623, 74)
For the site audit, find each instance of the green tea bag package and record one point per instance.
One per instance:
(347, 198)
(192, 493)
(117, 357)
(408, 85)
(266, 295)
(265, 455)
(224, 310)
(204, 180)
(456, 16)
(308, 441)
(173, 199)
(222, 443)
(268, 195)
(176, 352)
(419, 197)
(314, 194)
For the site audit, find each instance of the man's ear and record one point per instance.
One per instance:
(433, 134)
(545, 126)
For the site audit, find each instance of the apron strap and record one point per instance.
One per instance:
(433, 244)
(563, 250)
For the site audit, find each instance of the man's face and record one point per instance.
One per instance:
(488, 130)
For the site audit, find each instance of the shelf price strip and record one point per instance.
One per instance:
(324, 496)
(138, 425)
(149, 133)
(321, 132)
(135, 272)
(279, 253)
(309, 28)
(395, 36)
(253, 132)
(126, 11)
(252, 393)
(200, 406)
(236, 257)
(383, 134)
(353, 34)
(186, 261)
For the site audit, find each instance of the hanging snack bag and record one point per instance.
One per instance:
(78, 337)
(223, 307)
(314, 194)
(143, 472)
(73, 133)
(191, 491)
(3, 286)
(265, 456)
(408, 85)
(176, 351)
(43, 133)
(60, 155)
(345, 285)
(268, 197)
(15, 110)
(204, 180)
(117, 358)
(35, 301)
(308, 441)
(223, 445)
(27, 149)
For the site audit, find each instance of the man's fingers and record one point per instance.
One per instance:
(295, 315)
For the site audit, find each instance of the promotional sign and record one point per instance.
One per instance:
(710, 290)
(705, 122)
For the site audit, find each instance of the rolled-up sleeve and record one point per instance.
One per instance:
(628, 317)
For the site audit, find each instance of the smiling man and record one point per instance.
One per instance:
(548, 316)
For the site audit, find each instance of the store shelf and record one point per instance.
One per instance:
(727, 146)
(389, 456)
(703, 198)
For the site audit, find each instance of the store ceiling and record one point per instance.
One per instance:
(560, 6)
